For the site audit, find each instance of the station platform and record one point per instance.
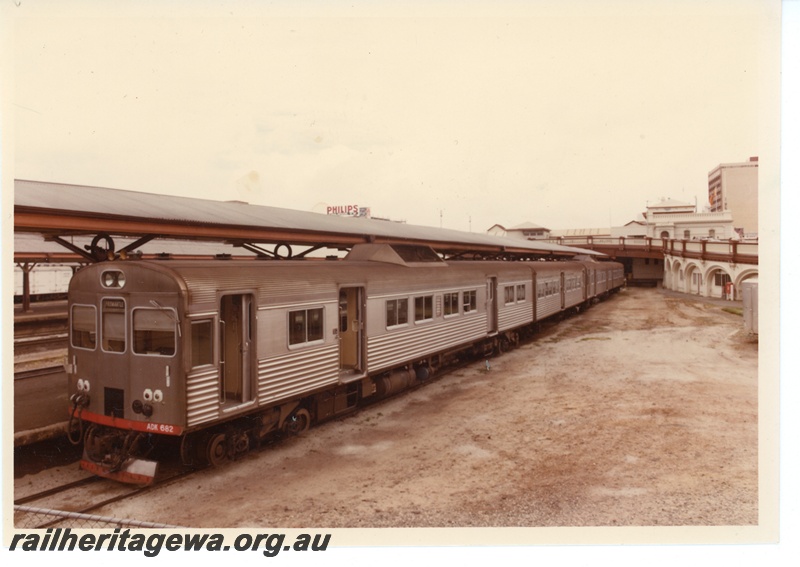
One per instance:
(41, 311)
(40, 382)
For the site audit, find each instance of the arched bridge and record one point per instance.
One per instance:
(701, 267)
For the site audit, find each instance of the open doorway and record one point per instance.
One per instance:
(236, 348)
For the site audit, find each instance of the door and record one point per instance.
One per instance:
(351, 329)
(236, 348)
(491, 304)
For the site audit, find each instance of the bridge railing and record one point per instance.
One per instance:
(723, 250)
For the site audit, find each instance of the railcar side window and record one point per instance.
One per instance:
(305, 326)
(470, 300)
(423, 308)
(113, 325)
(154, 331)
(451, 304)
(84, 326)
(202, 343)
(521, 292)
(396, 312)
(546, 289)
(509, 294)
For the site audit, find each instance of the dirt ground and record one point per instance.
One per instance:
(641, 411)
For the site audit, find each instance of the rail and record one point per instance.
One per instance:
(734, 251)
(33, 517)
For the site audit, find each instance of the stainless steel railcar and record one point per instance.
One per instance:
(220, 354)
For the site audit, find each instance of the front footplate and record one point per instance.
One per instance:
(132, 471)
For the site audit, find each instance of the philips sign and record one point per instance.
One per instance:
(348, 211)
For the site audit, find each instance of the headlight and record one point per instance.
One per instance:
(158, 396)
(148, 395)
(113, 279)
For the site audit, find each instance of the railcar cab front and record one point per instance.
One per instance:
(124, 364)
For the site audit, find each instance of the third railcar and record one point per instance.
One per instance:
(220, 354)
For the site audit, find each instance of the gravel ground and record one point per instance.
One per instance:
(641, 411)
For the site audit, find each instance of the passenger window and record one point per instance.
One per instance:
(423, 308)
(84, 326)
(521, 292)
(113, 325)
(396, 312)
(450, 304)
(154, 331)
(470, 301)
(202, 343)
(305, 326)
(509, 294)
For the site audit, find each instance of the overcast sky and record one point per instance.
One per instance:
(567, 114)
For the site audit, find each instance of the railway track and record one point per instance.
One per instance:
(57, 490)
(75, 496)
(39, 334)
(38, 372)
(39, 343)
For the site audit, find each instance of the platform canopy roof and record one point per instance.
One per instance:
(58, 211)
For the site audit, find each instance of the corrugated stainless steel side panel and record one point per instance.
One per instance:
(401, 346)
(548, 306)
(297, 373)
(202, 397)
(512, 316)
(602, 281)
(574, 297)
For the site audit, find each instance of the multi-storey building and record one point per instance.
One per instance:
(734, 187)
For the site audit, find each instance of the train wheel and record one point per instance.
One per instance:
(217, 449)
(190, 454)
(297, 423)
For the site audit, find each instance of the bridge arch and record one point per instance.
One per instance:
(717, 275)
(706, 278)
(693, 278)
(676, 276)
(668, 272)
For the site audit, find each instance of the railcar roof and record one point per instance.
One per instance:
(226, 220)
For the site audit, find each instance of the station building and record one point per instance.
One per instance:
(670, 219)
